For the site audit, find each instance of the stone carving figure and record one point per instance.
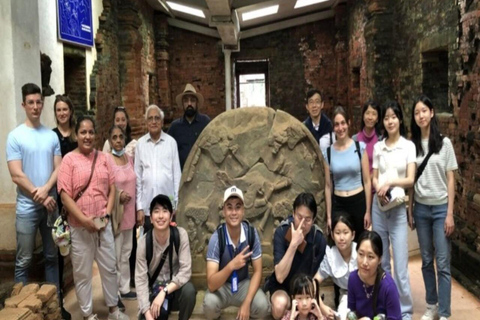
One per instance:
(268, 154)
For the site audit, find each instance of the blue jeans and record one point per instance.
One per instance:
(392, 226)
(430, 222)
(27, 226)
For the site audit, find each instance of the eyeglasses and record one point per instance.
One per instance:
(156, 118)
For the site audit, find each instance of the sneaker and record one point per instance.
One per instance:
(129, 296)
(66, 315)
(443, 318)
(117, 315)
(431, 312)
(120, 305)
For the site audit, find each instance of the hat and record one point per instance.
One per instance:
(61, 236)
(233, 191)
(189, 90)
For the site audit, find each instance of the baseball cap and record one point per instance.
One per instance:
(232, 191)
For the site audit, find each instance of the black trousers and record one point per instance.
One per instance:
(355, 206)
(183, 300)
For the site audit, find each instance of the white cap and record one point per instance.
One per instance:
(232, 191)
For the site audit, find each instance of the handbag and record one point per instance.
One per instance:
(396, 194)
(61, 228)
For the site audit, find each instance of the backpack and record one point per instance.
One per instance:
(329, 152)
(175, 239)
(221, 235)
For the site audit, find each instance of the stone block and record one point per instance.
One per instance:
(30, 288)
(14, 301)
(17, 287)
(51, 306)
(32, 303)
(15, 313)
(54, 297)
(46, 292)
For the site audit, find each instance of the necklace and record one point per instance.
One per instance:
(368, 294)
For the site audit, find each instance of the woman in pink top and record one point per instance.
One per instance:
(369, 128)
(89, 218)
(125, 178)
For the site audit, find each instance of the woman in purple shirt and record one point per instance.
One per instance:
(372, 291)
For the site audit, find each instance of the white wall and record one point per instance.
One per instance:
(49, 44)
(20, 58)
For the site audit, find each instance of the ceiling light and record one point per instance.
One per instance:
(259, 13)
(304, 3)
(188, 10)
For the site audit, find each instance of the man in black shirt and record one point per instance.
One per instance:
(185, 130)
(298, 247)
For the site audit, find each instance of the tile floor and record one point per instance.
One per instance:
(464, 304)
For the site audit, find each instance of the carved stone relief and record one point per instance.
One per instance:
(269, 155)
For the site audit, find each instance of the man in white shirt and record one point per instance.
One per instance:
(157, 165)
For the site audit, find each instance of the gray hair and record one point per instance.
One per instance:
(155, 107)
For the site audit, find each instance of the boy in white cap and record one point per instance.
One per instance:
(232, 246)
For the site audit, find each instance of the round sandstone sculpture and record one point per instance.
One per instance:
(269, 155)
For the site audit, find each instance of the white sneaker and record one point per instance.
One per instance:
(431, 312)
(443, 318)
(117, 315)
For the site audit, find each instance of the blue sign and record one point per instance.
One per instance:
(75, 21)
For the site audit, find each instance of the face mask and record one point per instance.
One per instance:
(190, 112)
(118, 153)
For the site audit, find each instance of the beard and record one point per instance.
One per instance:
(190, 111)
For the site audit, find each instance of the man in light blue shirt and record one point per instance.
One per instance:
(33, 157)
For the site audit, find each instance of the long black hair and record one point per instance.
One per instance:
(377, 247)
(435, 141)
(397, 109)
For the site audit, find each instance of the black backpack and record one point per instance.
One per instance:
(175, 239)
(221, 235)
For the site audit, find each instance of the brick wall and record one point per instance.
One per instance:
(75, 82)
(422, 36)
(104, 80)
(121, 75)
(372, 49)
(299, 58)
(196, 59)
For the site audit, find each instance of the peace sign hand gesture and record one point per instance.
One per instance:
(297, 234)
(241, 259)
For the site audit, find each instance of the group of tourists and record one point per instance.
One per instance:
(135, 183)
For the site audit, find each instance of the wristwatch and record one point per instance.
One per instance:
(165, 289)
